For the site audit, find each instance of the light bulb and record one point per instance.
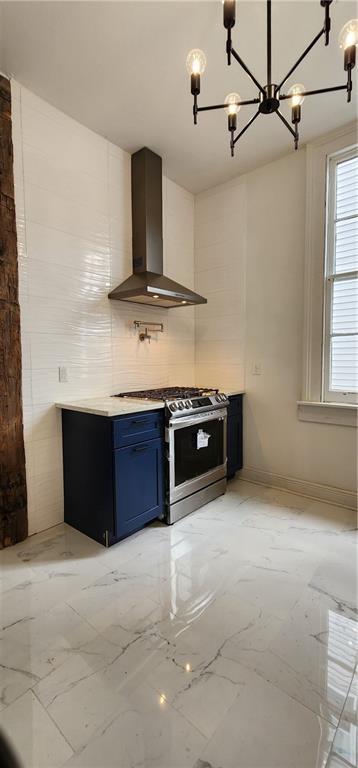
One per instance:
(349, 34)
(229, 13)
(196, 62)
(295, 92)
(232, 107)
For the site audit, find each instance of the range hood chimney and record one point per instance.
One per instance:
(148, 285)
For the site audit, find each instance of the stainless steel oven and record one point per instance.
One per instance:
(195, 433)
(196, 445)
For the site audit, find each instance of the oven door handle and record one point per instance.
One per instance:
(200, 418)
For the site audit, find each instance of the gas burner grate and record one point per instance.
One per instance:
(169, 393)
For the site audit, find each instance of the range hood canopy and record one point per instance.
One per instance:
(148, 285)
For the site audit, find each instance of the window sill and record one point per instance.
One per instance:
(344, 414)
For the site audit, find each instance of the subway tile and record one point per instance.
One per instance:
(224, 329)
(218, 279)
(51, 210)
(120, 232)
(222, 303)
(59, 136)
(83, 381)
(25, 350)
(227, 377)
(222, 352)
(49, 350)
(26, 387)
(53, 315)
(120, 186)
(217, 255)
(67, 251)
(47, 279)
(45, 422)
(48, 172)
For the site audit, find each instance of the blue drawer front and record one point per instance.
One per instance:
(139, 485)
(136, 428)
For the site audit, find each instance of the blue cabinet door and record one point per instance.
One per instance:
(139, 489)
(234, 436)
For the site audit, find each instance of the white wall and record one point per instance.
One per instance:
(269, 204)
(220, 266)
(72, 191)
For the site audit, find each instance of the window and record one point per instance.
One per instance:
(340, 345)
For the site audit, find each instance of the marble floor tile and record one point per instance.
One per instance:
(265, 728)
(337, 578)
(228, 640)
(312, 657)
(345, 744)
(146, 733)
(33, 735)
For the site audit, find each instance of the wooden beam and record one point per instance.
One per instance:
(13, 496)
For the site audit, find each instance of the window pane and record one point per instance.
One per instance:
(345, 306)
(346, 245)
(344, 367)
(347, 188)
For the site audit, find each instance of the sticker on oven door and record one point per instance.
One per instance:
(202, 439)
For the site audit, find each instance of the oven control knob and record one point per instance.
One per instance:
(187, 404)
(172, 407)
(181, 405)
(218, 398)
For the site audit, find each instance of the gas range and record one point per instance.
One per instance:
(182, 401)
(195, 440)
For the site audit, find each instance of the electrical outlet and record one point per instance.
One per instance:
(256, 369)
(62, 374)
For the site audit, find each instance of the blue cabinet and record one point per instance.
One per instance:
(139, 491)
(113, 472)
(234, 435)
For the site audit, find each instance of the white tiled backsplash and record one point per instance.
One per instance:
(73, 211)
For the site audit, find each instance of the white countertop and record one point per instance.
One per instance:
(111, 406)
(118, 406)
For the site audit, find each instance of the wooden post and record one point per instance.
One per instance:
(13, 497)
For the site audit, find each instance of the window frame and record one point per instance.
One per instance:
(330, 276)
(310, 406)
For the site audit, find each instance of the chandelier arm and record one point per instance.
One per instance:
(313, 93)
(246, 69)
(286, 123)
(224, 106)
(252, 119)
(303, 55)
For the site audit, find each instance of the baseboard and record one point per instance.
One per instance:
(328, 493)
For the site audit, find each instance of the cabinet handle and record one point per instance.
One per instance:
(140, 448)
(140, 421)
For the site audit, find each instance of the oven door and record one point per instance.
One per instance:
(197, 452)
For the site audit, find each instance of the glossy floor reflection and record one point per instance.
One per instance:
(226, 641)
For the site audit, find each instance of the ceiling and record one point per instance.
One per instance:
(119, 68)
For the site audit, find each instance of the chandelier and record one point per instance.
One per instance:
(270, 95)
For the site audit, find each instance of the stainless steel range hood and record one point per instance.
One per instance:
(148, 285)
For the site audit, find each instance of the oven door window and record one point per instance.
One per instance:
(198, 449)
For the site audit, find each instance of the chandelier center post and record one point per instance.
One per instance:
(269, 101)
